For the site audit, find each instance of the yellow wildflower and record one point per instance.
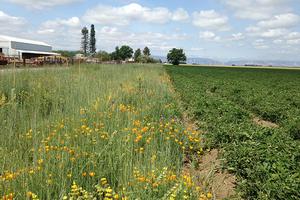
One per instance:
(137, 123)
(92, 174)
(69, 175)
(209, 195)
(103, 181)
(40, 161)
(145, 129)
(116, 196)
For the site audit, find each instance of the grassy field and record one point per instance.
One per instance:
(99, 132)
(253, 115)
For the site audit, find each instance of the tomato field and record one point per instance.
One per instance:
(253, 115)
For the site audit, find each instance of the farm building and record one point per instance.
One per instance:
(24, 49)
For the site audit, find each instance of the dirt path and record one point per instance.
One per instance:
(209, 172)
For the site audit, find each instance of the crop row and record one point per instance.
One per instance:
(225, 102)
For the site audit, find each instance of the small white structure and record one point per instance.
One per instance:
(79, 56)
(130, 60)
(24, 49)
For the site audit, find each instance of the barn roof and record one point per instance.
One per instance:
(15, 39)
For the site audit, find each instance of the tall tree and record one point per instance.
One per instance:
(176, 56)
(137, 55)
(146, 51)
(116, 54)
(125, 52)
(85, 40)
(93, 40)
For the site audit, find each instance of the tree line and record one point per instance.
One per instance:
(126, 53)
(123, 53)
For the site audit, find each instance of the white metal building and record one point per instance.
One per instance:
(24, 49)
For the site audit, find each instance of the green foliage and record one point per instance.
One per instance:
(266, 160)
(92, 40)
(103, 56)
(146, 59)
(116, 54)
(85, 40)
(137, 55)
(146, 52)
(176, 56)
(68, 54)
(122, 53)
(125, 52)
(295, 129)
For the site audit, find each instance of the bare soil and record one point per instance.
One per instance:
(209, 174)
(264, 123)
(208, 171)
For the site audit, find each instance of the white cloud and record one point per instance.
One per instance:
(113, 36)
(262, 47)
(260, 44)
(257, 9)
(10, 23)
(237, 36)
(196, 49)
(280, 21)
(278, 41)
(279, 36)
(293, 42)
(63, 33)
(71, 22)
(209, 36)
(275, 27)
(210, 19)
(46, 31)
(108, 15)
(273, 33)
(293, 38)
(40, 4)
(180, 15)
(266, 33)
(8, 19)
(293, 35)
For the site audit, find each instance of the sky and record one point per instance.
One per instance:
(218, 29)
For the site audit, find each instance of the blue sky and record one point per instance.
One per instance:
(219, 29)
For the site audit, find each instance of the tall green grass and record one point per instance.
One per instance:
(118, 122)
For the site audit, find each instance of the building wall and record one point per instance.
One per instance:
(30, 47)
(14, 49)
(5, 51)
(4, 44)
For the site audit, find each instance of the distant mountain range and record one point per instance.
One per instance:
(208, 61)
(279, 63)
